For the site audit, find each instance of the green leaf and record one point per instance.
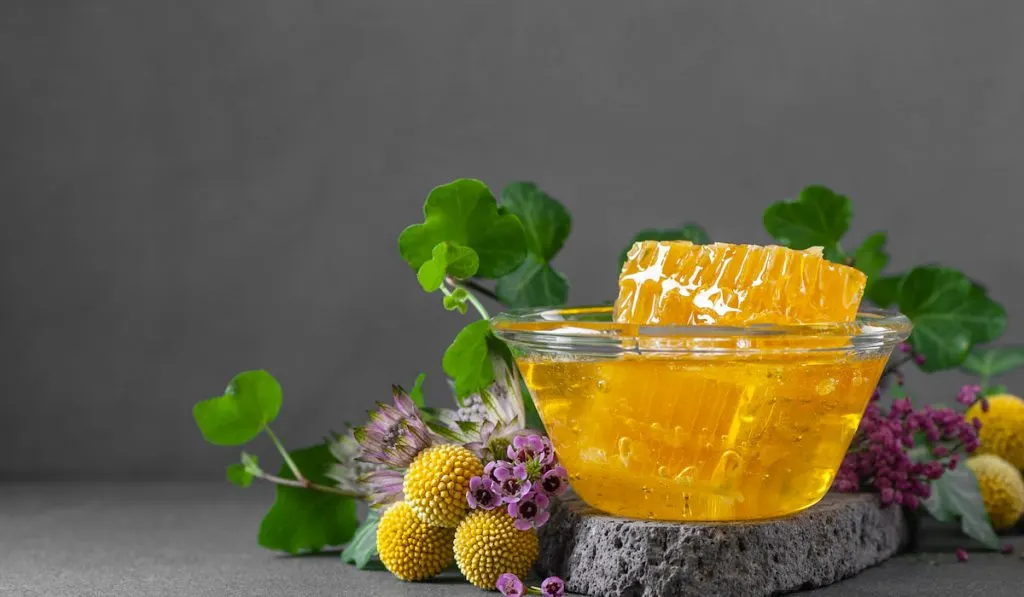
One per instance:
(238, 475)
(884, 292)
(949, 314)
(252, 400)
(534, 284)
(691, 232)
(955, 496)
(465, 213)
(304, 520)
(457, 300)
(447, 258)
(546, 221)
(363, 547)
(817, 218)
(990, 362)
(871, 258)
(416, 395)
(251, 464)
(467, 362)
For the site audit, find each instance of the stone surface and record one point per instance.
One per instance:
(603, 555)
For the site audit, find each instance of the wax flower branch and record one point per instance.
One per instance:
(471, 484)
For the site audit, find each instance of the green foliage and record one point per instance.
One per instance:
(250, 402)
(447, 259)
(546, 224)
(464, 213)
(467, 360)
(456, 301)
(949, 313)
(302, 520)
(361, 552)
(237, 475)
(691, 232)
(884, 292)
(416, 394)
(955, 496)
(817, 218)
(871, 258)
(991, 362)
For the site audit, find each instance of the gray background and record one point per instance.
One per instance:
(190, 189)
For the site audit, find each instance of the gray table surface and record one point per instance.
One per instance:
(110, 540)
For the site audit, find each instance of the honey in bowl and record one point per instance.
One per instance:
(745, 424)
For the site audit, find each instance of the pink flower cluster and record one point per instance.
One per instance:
(509, 585)
(898, 453)
(524, 483)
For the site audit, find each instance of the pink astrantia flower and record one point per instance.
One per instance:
(553, 587)
(509, 585)
(483, 493)
(555, 481)
(512, 480)
(383, 486)
(395, 434)
(530, 511)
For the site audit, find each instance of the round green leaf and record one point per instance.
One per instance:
(990, 362)
(546, 221)
(467, 361)
(464, 212)
(819, 217)
(252, 400)
(534, 284)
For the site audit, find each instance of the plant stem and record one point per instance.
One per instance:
(473, 300)
(306, 485)
(299, 478)
(481, 289)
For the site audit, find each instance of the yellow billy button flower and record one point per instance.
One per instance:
(410, 548)
(1002, 427)
(1002, 489)
(436, 483)
(487, 545)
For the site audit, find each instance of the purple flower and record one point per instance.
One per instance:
(513, 482)
(395, 434)
(527, 448)
(483, 493)
(555, 482)
(509, 585)
(968, 394)
(384, 486)
(961, 554)
(553, 586)
(490, 467)
(530, 512)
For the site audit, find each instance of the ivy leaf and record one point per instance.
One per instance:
(416, 395)
(363, 547)
(546, 221)
(457, 300)
(465, 213)
(237, 475)
(467, 362)
(251, 400)
(871, 258)
(447, 258)
(990, 362)
(547, 224)
(691, 232)
(304, 520)
(949, 314)
(884, 292)
(819, 217)
(534, 284)
(955, 496)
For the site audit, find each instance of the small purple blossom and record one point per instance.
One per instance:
(513, 482)
(555, 481)
(483, 493)
(961, 554)
(509, 585)
(526, 448)
(968, 394)
(1006, 549)
(530, 511)
(492, 466)
(553, 586)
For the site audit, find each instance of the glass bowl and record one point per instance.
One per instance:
(699, 423)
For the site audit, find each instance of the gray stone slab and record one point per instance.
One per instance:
(598, 554)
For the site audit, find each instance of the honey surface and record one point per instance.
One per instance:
(679, 283)
(692, 437)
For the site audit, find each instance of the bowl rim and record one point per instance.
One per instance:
(552, 329)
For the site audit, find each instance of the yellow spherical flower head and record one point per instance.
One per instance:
(410, 548)
(1002, 427)
(487, 545)
(436, 483)
(1002, 489)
